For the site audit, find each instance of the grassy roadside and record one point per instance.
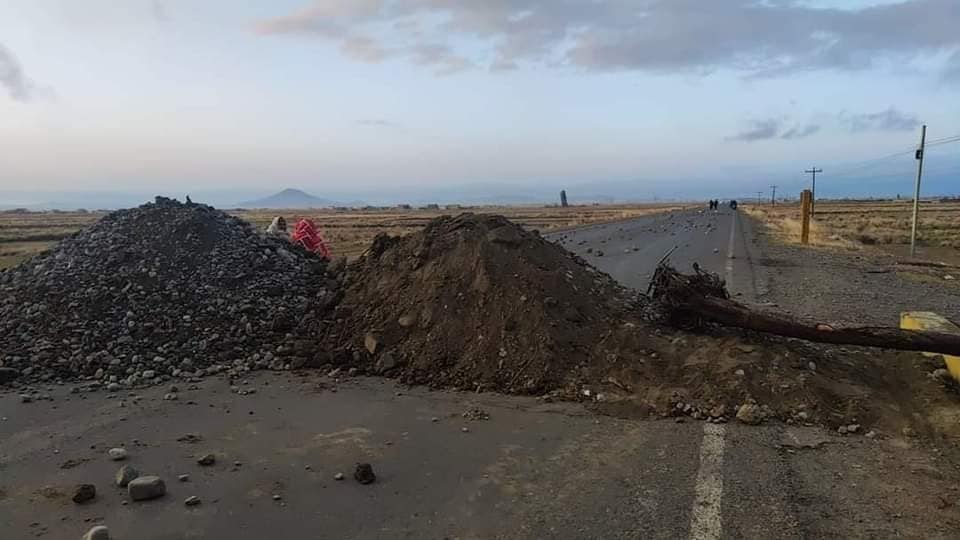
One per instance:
(870, 225)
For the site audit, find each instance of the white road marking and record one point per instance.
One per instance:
(706, 520)
(733, 236)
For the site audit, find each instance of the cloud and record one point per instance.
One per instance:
(798, 132)
(159, 12)
(760, 130)
(379, 122)
(774, 128)
(888, 120)
(952, 71)
(12, 78)
(755, 38)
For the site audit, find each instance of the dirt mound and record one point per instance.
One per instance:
(166, 289)
(476, 300)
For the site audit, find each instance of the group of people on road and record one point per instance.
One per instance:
(715, 204)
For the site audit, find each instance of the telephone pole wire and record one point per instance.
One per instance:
(916, 191)
(773, 196)
(813, 191)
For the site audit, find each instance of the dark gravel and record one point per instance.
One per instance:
(164, 290)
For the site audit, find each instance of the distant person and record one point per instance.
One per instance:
(278, 227)
(733, 204)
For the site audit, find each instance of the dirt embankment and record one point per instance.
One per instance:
(476, 301)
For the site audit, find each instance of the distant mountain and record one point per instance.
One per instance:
(289, 198)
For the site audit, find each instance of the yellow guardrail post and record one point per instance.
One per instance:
(934, 322)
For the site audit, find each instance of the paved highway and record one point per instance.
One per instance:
(720, 241)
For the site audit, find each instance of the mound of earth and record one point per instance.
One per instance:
(166, 289)
(476, 300)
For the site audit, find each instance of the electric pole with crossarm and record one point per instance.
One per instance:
(813, 191)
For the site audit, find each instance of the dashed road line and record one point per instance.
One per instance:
(706, 521)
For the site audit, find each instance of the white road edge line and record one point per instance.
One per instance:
(730, 244)
(706, 521)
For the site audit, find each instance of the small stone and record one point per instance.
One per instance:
(184, 478)
(803, 416)
(207, 460)
(940, 374)
(146, 487)
(338, 476)
(371, 342)
(871, 434)
(718, 411)
(842, 430)
(125, 475)
(364, 474)
(908, 432)
(750, 414)
(465, 429)
(170, 396)
(25, 398)
(149, 374)
(277, 497)
(173, 389)
(113, 387)
(740, 373)
(434, 419)
(192, 500)
(812, 366)
(117, 454)
(237, 464)
(98, 532)
(84, 493)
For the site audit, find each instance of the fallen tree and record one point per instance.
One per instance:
(690, 300)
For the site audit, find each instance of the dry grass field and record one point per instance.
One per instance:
(885, 224)
(349, 231)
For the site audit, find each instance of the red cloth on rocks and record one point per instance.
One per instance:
(306, 234)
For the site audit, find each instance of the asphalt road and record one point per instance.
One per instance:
(720, 241)
(532, 470)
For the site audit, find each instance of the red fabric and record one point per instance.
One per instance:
(307, 235)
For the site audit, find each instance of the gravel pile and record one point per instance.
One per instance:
(166, 290)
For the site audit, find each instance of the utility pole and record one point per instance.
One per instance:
(813, 191)
(916, 191)
(759, 197)
(773, 196)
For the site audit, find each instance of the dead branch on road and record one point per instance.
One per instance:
(689, 300)
(930, 264)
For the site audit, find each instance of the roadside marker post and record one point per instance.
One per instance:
(806, 199)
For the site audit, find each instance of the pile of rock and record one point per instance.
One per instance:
(160, 291)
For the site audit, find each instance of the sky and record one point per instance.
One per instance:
(386, 99)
